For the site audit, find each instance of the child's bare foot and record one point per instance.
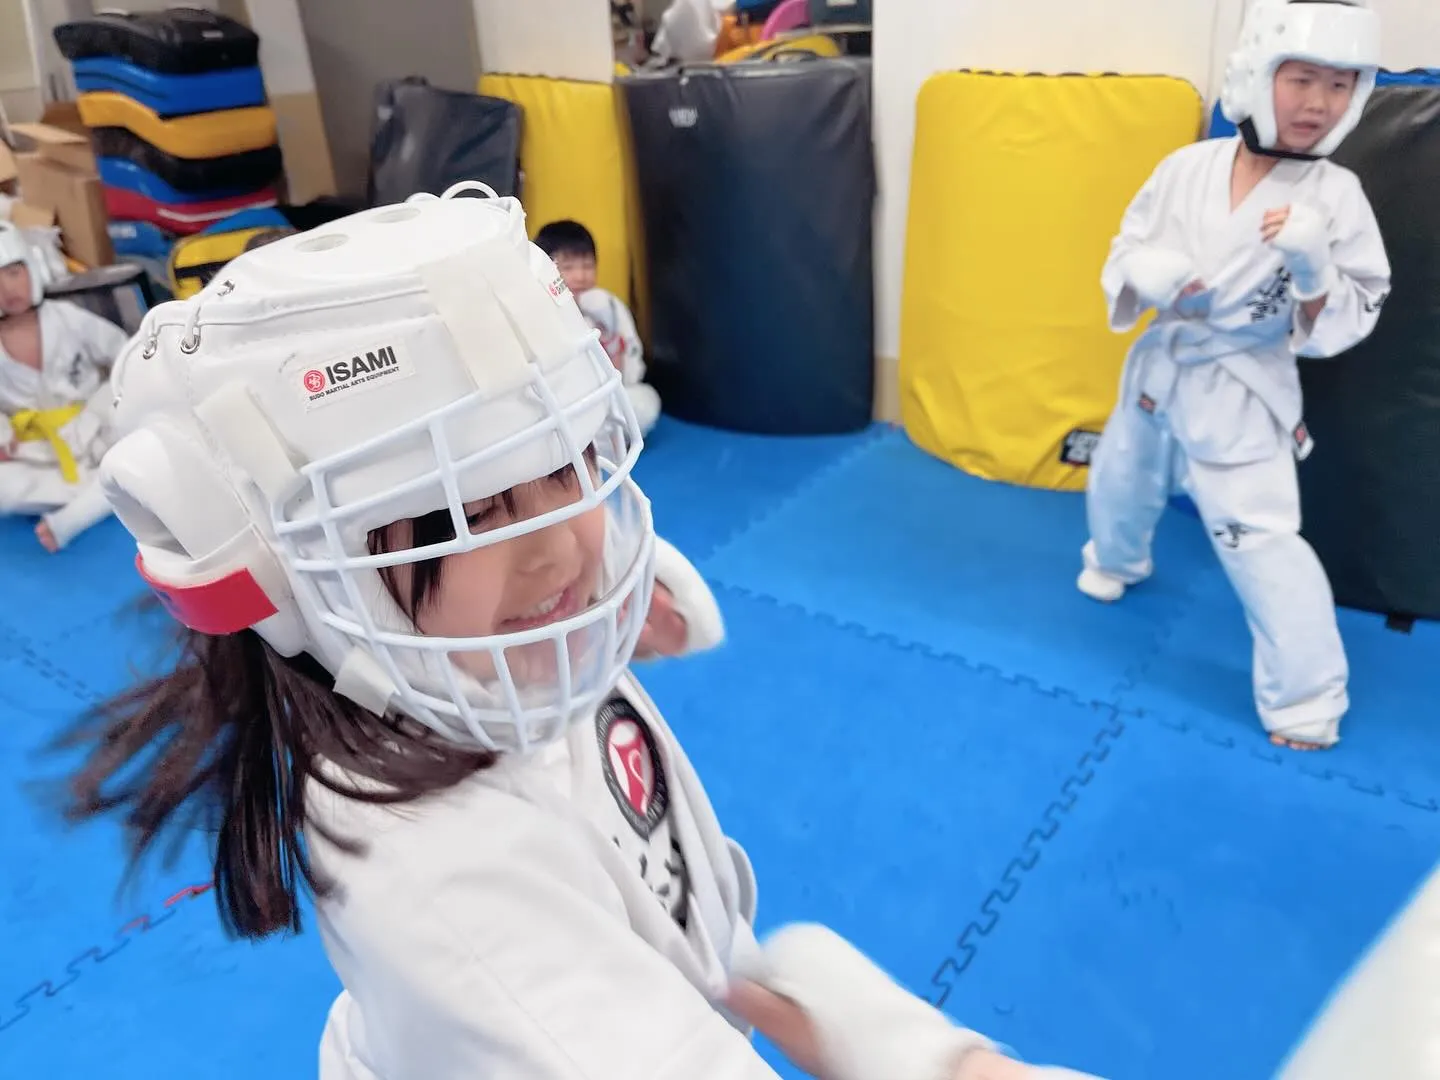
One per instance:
(1296, 744)
(46, 538)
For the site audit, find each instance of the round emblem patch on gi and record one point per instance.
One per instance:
(632, 766)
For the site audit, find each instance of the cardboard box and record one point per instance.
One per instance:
(32, 217)
(57, 145)
(78, 202)
(8, 171)
(65, 115)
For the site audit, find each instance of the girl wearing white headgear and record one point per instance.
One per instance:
(55, 359)
(1252, 251)
(382, 472)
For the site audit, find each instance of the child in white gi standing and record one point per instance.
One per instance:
(55, 359)
(1252, 250)
(573, 248)
(382, 472)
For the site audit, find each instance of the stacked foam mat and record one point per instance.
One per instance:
(1008, 368)
(178, 115)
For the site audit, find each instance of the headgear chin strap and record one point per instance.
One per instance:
(1251, 138)
(1341, 34)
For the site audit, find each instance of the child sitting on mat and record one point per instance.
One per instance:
(55, 359)
(573, 248)
(1252, 250)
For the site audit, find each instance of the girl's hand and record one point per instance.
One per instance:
(787, 1026)
(665, 631)
(781, 1021)
(1192, 303)
(1273, 222)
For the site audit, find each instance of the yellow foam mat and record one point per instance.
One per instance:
(194, 260)
(573, 157)
(203, 135)
(793, 46)
(1018, 184)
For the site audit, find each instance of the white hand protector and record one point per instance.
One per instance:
(869, 1028)
(1157, 275)
(694, 601)
(1304, 240)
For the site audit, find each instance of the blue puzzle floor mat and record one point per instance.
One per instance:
(1059, 821)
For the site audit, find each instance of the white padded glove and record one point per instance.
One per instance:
(1304, 241)
(868, 1027)
(694, 602)
(1157, 275)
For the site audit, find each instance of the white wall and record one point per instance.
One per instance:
(915, 39)
(562, 39)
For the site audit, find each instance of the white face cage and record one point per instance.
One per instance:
(500, 691)
(254, 506)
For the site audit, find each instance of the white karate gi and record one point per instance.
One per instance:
(1214, 401)
(1384, 1019)
(567, 914)
(78, 349)
(605, 311)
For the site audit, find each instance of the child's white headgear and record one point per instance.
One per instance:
(14, 248)
(405, 360)
(1341, 34)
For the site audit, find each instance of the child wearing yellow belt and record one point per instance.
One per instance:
(55, 360)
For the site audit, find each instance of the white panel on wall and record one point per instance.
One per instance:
(561, 39)
(915, 39)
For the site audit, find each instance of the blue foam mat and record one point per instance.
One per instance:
(1389, 742)
(172, 95)
(903, 544)
(877, 788)
(128, 176)
(140, 239)
(1058, 820)
(708, 485)
(45, 597)
(1193, 913)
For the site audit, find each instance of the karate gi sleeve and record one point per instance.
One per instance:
(1362, 279)
(522, 964)
(1138, 274)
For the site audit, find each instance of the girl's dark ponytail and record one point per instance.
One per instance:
(229, 742)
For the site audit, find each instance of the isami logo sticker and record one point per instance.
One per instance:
(343, 376)
(557, 289)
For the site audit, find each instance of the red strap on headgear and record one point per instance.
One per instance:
(226, 605)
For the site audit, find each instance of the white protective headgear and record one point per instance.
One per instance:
(15, 248)
(1342, 34)
(405, 360)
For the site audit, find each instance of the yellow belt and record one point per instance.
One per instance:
(32, 425)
